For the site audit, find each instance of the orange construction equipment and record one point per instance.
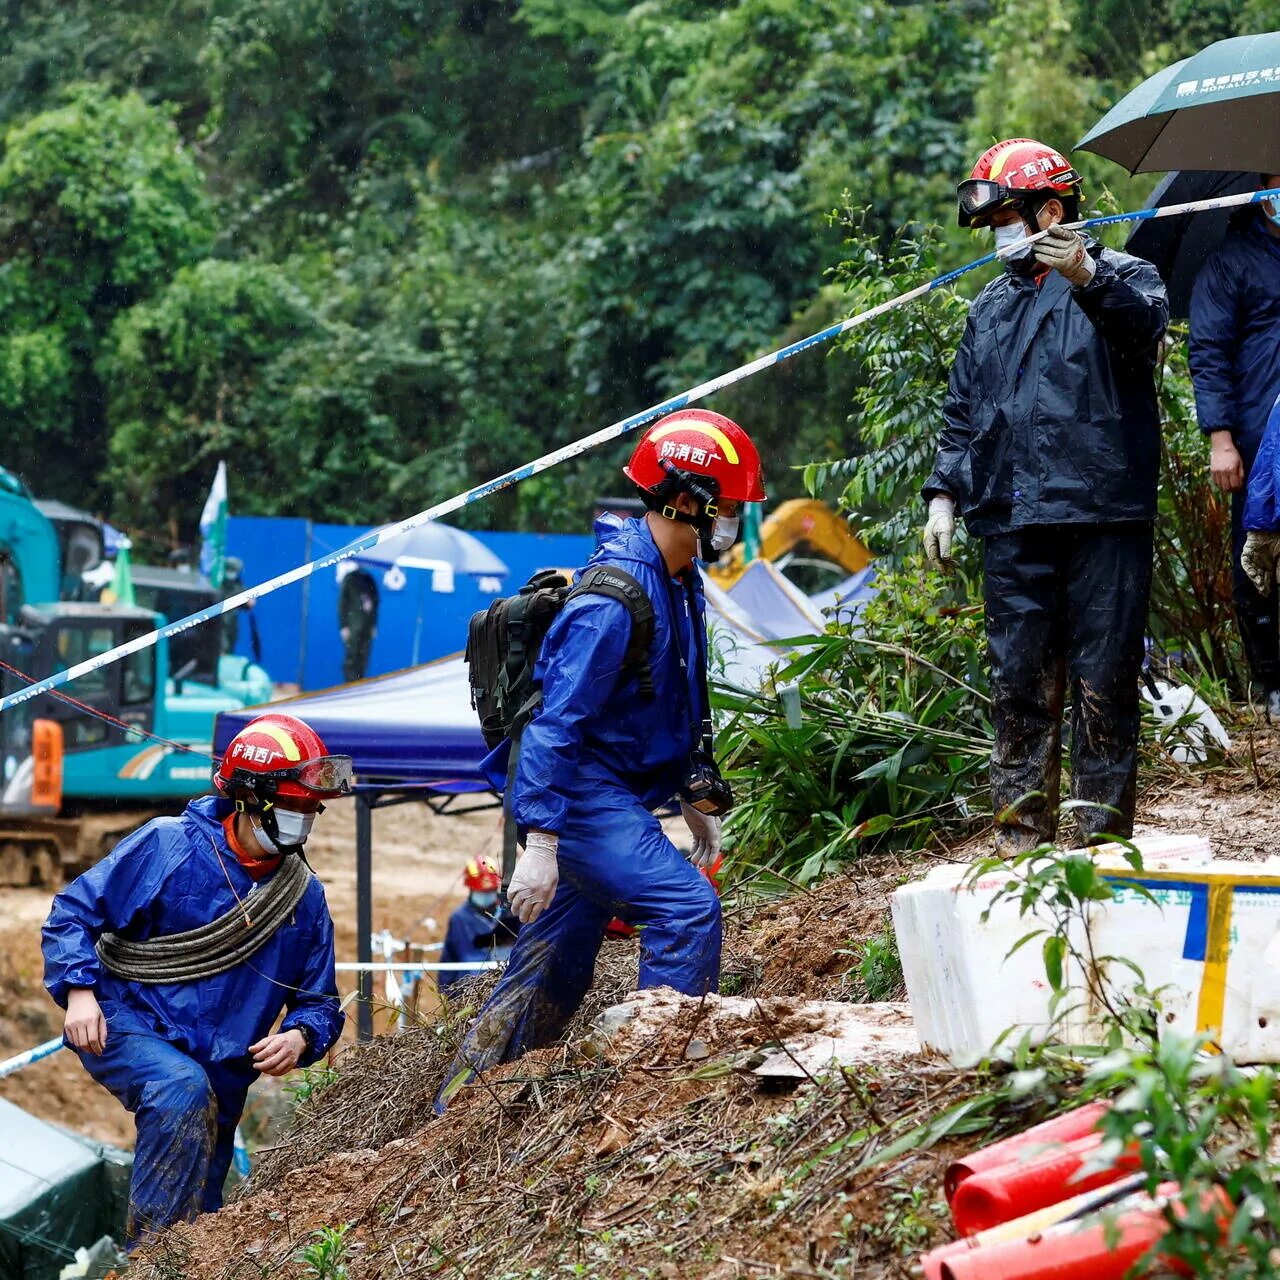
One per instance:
(1064, 1128)
(1022, 1186)
(804, 523)
(1098, 1248)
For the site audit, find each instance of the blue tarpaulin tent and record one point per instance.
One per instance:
(411, 729)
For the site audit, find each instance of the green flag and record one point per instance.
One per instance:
(213, 529)
(122, 582)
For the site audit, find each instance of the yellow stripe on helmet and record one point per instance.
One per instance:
(696, 424)
(281, 738)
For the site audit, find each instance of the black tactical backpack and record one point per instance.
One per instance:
(503, 643)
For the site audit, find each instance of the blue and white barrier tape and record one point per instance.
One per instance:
(18, 1061)
(603, 436)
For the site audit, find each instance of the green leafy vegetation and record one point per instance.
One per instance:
(415, 245)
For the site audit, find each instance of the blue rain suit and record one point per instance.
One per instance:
(176, 1054)
(1235, 366)
(594, 762)
(475, 935)
(1262, 506)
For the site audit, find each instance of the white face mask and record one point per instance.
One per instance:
(1011, 234)
(484, 899)
(294, 829)
(724, 532)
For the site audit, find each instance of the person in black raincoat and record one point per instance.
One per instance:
(1050, 450)
(1235, 366)
(357, 621)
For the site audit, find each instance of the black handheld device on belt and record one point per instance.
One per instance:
(703, 788)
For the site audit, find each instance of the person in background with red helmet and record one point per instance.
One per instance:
(178, 1026)
(608, 747)
(481, 929)
(1050, 449)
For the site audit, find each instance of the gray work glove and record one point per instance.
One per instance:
(1065, 252)
(940, 532)
(533, 882)
(1259, 559)
(705, 831)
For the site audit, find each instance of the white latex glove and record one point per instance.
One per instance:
(533, 882)
(1259, 557)
(1065, 252)
(705, 831)
(940, 532)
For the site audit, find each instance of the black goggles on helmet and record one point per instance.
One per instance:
(331, 775)
(979, 197)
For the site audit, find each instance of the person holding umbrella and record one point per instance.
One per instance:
(1235, 366)
(1050, 450)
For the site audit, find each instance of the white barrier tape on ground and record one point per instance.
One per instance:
(603, 436)
(16, 1063)
(440, 966)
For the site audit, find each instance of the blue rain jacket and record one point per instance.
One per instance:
(595, 727)
(593, 763)
(1262, 497)
(475, 934)
(1235, 334)
(166, 878)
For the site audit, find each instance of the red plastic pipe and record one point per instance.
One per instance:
(1114, 1196)
(1020, 1187)
(1093, 1250)
(1064, 1128)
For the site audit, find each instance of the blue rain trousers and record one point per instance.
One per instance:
(177, 1053)
(595, 761)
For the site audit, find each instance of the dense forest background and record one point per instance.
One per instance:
(373, 251)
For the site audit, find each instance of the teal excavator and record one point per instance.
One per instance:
(72, 782)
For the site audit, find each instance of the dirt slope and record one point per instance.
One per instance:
(664, 1158)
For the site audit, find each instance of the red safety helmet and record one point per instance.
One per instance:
(694, 445)
(279, 755)
(1015, 173)
(481, 876)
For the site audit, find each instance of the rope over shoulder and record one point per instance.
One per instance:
(216, 947)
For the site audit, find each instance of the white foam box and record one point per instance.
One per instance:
(1204, 933)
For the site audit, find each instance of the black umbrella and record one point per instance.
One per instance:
(1178, 246)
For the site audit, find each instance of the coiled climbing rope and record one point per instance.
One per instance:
(216, 947)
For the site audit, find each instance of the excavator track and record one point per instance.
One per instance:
(45, 852)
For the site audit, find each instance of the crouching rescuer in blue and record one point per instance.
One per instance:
(615, 735)
(177, 953)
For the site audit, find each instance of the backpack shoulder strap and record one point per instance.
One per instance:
(617, 584)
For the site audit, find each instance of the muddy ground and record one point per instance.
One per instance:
(661, 1153)
(664, 1159)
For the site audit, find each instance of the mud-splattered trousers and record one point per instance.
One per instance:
(614, 860)
(177, 1052)
(597, 758)
(186, 1118)
(1066, 608)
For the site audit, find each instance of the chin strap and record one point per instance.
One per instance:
(263, 815)
(701, 488)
